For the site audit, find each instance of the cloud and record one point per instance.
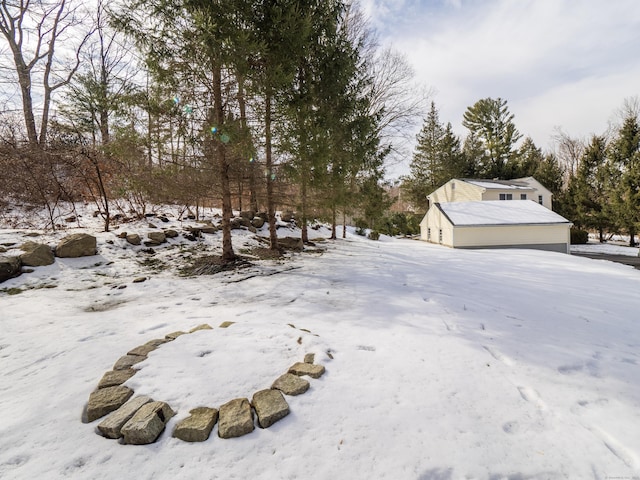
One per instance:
(557, 62)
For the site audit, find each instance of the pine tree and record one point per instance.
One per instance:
(490, 120)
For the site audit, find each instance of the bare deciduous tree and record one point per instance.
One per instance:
(33, 30)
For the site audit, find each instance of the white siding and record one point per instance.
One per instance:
(494, 194)
(539, 190)
(456, 191)
(436, 222)
(511, 235)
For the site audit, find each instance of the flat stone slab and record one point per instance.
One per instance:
(226, 324)
(142, 350)
(106, 400)
(270, 407)
(309, 358)
(197, 426)
(127, 361)
(290, 384)
(111, 426)
(236, 418)
(204, 326)
(156, 342)
(147, 423)
(301, 368)
(116, 377)
(174, 335)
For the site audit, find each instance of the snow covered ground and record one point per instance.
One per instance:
(447, 364)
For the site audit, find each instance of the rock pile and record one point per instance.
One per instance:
(140, 420)
(39, 254)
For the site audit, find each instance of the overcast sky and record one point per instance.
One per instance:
(567, 63)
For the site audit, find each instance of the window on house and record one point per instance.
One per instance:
(523, 196)
(440, 236)
(540, 199)
(453, 185)
(506, 196)
(429, 233)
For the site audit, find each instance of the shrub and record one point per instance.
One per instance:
(579, 237)
(361, 227)
(400, 224)
(373, 235)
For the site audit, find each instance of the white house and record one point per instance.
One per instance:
(472, 190)
(496, 224)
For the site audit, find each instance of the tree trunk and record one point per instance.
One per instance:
(218, 118)
(271, 212)
(253, 198)
(333, 222)
(632, 237)
(24, 79)
(303, 194)
(344, 224)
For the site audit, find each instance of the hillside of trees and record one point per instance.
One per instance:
(243, 105)
(595, 181)
(258, 105)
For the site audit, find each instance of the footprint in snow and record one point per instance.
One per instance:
(498, 356)
(511, 427)
(531, 396)
(366, 348)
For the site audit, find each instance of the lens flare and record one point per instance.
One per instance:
(188, 109)
(176, 100)
(224, 138)
(214, 130)
(251, 160)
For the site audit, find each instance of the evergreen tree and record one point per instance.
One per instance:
(590, 188)
(549, 173)
(525, 161)
(490, 120)
(437, 159)
(625, 170)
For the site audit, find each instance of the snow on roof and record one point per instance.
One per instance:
(498, 184)
(499, 212)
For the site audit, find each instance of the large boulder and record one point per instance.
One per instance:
(147, 423)
(287, 216)
(133, 238)
(270, 407)
(236, 419)
(291, 243)
(257, 222)
(77, 245)
(197, 426)
(157, 237)
(9, 267)
(36, 254)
